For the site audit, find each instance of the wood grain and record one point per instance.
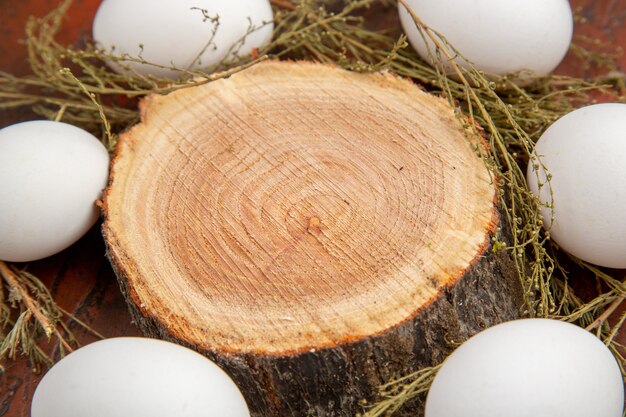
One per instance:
(294, 218)
(294, 206)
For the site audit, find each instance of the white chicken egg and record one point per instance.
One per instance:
(584, 154)
(498, 36)
(137, 377)
(528, 368)
(51, 175)
(187, 34)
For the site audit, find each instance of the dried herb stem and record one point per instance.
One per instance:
(38, 316)
(395, 393)
(33, 307)
(607, 313)
(284, 4)
(81, 323)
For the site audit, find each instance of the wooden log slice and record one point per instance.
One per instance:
(312, 230)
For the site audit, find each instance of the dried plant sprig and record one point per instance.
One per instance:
(38, 317)
(395, 393)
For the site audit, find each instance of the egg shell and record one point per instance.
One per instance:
(528, 368)
(585, 152)
(138, 377)
(498, 36)
(176, 33)
(51, 175)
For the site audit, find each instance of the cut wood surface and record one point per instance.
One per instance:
(312, 230)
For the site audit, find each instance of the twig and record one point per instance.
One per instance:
(607, 313)
(81, 323)
(31, 304)
(283, 4)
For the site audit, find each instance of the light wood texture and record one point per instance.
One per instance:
(295, 209)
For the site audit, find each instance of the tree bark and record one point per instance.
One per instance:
(315, 232)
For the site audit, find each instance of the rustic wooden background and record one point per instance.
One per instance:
(80, 277)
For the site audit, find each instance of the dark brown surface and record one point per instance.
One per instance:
(80, 277)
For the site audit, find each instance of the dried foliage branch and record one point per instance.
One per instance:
(32, 315)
